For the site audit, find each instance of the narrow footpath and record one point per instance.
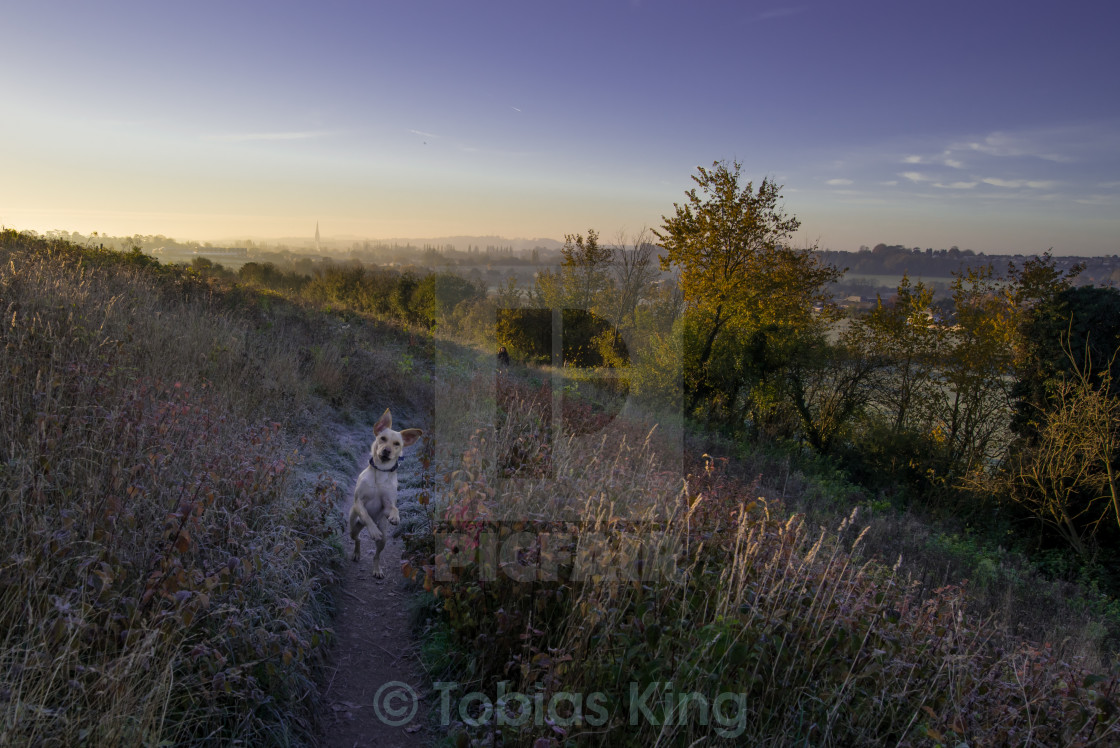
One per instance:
(374, 682)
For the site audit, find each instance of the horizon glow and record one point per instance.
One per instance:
(985, 126)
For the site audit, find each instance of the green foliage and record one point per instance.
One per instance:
(1069, 325)
(404, 297)
(363, 290)
(658, 371)
(135, 257)
(883, 459)
(406, 291)
(438, 295)
(940, 384)
(1066, 474)
(905, 338)
(528, 334)
(830, 386)
(267, 275)
(970, 404)
(584, 270)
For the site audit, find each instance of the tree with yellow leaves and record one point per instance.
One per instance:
(729, 243)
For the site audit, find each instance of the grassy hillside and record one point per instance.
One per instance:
(597, 598)
(170, 544)
(166, 553)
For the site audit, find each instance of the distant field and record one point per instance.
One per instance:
(891, 281)
(185, 258)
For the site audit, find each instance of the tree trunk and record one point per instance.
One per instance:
(702, 387)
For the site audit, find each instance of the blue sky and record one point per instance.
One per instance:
(989, 125)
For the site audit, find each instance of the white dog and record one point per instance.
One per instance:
(375, 496)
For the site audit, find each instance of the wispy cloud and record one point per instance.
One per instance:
(423, 134)
(861, 200)
(1022, 196)
(1003, 145)
(943, 159)
(1035, 184)
(266, 136)
(838, 182)
(1107, 200)
(1031, 168)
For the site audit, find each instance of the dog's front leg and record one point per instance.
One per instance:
(356, 525)
(384, 530)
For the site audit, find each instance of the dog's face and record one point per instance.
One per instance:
(387, 444)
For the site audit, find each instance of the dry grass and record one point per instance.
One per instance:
(1001, 587)
(165, 561)
(163, 577)
(549, 567)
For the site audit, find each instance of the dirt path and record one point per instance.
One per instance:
(374, 680)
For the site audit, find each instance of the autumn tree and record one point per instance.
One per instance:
(508, 294)
(971, 391)
(906, 339)
(830, 384)
(1067, 473)
(729, 244)
(1061, 465)
(1044, 315)
(583, 276)
(1061, 319)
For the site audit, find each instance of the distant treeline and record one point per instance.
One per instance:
(897, 260)
(374, 252)
(405, 296)
(882, 259)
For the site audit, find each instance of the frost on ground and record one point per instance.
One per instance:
(373, 681)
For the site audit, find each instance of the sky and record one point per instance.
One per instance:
(993, 126)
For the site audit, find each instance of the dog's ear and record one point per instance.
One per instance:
(384, 422)
(411, 435)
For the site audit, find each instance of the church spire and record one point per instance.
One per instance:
(317, 248)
